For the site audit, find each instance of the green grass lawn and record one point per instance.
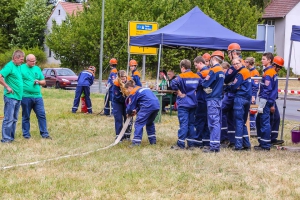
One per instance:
(145, 172)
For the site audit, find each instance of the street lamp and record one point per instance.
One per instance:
(101, 48)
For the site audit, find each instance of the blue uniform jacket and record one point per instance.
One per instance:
(255, 83)
(85, 78)
(229, 78)
(201, 94)
(117, 95)
(112, 76)
(136, 77)
(215, 81)
(242, 86)
(187, 83)
(269, 85)
(141, 99)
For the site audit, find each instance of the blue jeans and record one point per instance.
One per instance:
(186, 117)
(37, 105)
(11, 111)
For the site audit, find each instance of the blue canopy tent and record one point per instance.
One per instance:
(195, 30)
(295, 36)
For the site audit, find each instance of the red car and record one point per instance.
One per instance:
(60, 77)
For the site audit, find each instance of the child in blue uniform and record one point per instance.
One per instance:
(85, 80)
(186, 85)
(119, 95)
(112, 76)
(242, 88)
(136, 76)
(201, 125)
(213, 86)
(267, 96)
(144, 103)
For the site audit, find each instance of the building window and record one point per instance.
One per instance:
(49, 55)
(270, 22)
(58, 12)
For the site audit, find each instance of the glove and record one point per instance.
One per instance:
(261, 105)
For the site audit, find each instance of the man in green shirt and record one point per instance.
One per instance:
(32, 98)
(11, 79)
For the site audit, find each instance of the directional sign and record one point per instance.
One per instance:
(141, 28)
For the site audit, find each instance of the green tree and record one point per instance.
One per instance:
(31, 24)
(8, 13)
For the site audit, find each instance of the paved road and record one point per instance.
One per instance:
(291, 112)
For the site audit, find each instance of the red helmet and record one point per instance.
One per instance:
(133, 63)
(234, 46)
(206, 56)
(278, 61)
(218, 53)
(113, 61)
(253, 111)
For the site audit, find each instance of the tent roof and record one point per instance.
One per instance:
(295, 36)
(196, 30)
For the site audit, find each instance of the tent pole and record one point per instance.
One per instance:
(158, 68)
(144, 68)
(285, 91)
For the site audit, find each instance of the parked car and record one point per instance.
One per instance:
(60, 77)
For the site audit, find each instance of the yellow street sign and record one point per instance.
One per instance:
(141, 28)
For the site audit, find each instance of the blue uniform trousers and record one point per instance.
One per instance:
(107, 105)
(275, 122)
(201, 125)
(119, 112)
(241, 110)
(78, 92)
(227, 130)
(253, 119)
(186, 118)
(263, 127)
(145, 117)
(214, 113)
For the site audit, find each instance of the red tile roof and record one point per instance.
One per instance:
(71, 7)
(279, 8)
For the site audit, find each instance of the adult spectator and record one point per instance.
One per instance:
(166, 98)
(11, 79)
(33, 79)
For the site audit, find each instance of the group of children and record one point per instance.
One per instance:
(213, 103)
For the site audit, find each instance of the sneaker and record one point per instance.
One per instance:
(134, 145)
(191, 148)
(176, 147)
(102, 114)
(277, 142)
(48, 138)
(242, 149)
(261, 149)
(210, 151)
(206, 147)
(73, 111)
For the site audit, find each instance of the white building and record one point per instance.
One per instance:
(59, 14)
(283, 14)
